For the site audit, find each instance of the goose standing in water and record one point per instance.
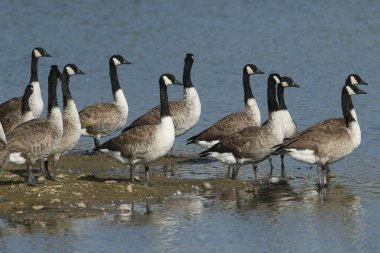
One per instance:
(26, 113)
(290, 127)
(330, 140)
(236, 121)
(105, 118)
(146, 143)
(10, 111)
(185, 112)
(252, 144)
(34, 140)
(71, 121)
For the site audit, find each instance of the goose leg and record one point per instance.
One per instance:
(96, 141)
(324, 176)
(320, 177)
(229, 171)
(282, 166)
(31, 181)
(271, 166)
(131, 168)
(146, 173)
(235, 172)
(255, 170)
(48, 175)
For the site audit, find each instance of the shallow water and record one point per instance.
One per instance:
(317, 44)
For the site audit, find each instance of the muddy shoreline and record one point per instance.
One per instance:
(85, 188)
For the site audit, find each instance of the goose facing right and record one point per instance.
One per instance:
(252, 144)
(71, 122)
(328, 141)
(146, 143)
(105, 118)
(235, 121)
(11, 109)
(34, 140)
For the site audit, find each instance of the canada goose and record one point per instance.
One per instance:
(236, 121)
(146, 143)
(26, 113)
(290, 127)
(185, 112)
(34, 140)
(252, 144)
(11, 109)
(71, 121)
(4, 151)
(330, 140)
(105, 118)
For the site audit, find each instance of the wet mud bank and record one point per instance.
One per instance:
(91, 185)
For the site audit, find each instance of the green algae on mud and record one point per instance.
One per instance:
(84, 188)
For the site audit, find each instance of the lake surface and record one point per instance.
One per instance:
(316, 43)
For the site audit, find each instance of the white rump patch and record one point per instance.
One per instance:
(303, 155)
(17, 158)
(350, 91)
(249, 70)
(70, 71)
(353, 80)
(116, 61)
(37, 53)
(207, 144)
(226, 158)
(115, 154)
(167, 81)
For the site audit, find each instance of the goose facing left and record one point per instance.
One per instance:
(11, 109)
(34, 140)
(105, 118)
(146, 143)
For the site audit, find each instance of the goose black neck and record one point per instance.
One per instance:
(114, 79)
(247, 87)
(52, 91)
(34, 72)
(186, 78)
(65, 89)
(271, 95)
(164, 100)
(281, 98)
(25, 103)
(346, 104)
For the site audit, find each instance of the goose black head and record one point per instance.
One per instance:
(55, 71)
(40, 52)
(274, 78)
(251, 69)
(288, 82)
(189, 58)
(118, 59)
(354, 79)
(168, 79)
(72, 69)
(354, 90)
